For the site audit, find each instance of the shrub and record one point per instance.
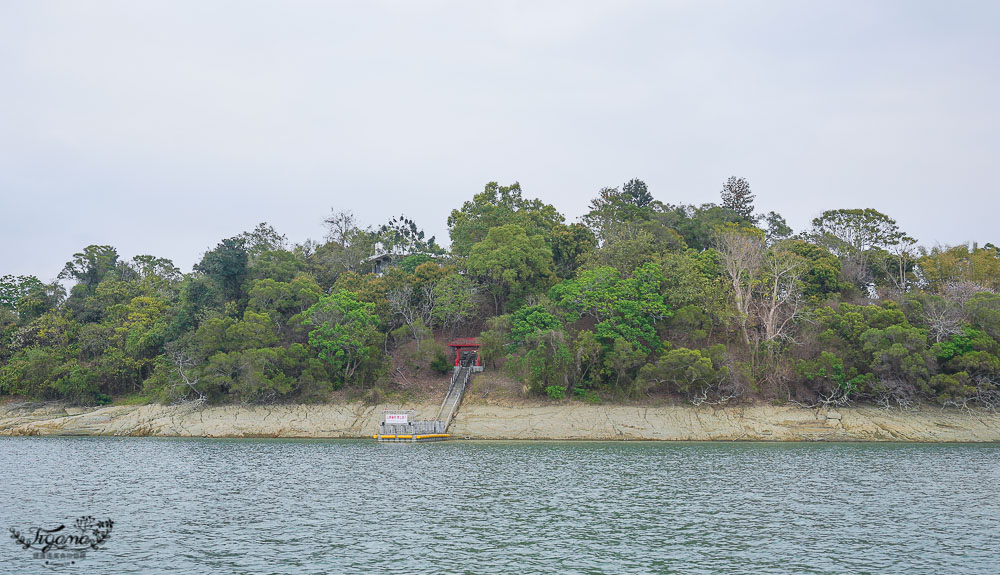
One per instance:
(440, 363)
(586, 395)
(555, 392)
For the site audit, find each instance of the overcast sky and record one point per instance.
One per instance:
(162, 127)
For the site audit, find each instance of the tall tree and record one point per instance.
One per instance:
(454, 301)
(616, 212)
(624, 307)
(90, 266)
(348, 247)
(777, 228)
(345, 331)
(742, 251)
(226, 265)
(853, 234)
(570, 245)
(401, 236)
(736, 196)
(14, 288)
(498, 206)
(637, 193)
(511, 263)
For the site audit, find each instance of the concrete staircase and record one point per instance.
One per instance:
(459, 381)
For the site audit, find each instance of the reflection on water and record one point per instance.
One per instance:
(281, 506)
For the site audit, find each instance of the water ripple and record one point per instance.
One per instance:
(284, 506)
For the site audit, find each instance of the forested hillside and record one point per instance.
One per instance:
(706, 303)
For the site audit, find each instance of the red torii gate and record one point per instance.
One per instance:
(466, 344)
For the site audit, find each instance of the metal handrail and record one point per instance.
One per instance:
(451, 386)
(455, 397)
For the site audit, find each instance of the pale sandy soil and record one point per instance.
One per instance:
(503, 418)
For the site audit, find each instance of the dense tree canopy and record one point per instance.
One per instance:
(705, 303)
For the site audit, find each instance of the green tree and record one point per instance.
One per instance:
(14, 290)
(853, 234)
(615, 211)
(90, 266)
(984, 312)
(830, 380)
(972, 268)
(263, 238)
(511, 264)
(697, 224)
(692, 372)
(402, 236)
(625, 308)
(454, 301)
(822, 271)
(777, 228)
(545, 361)
(570, 246)
(736, 196)
(226, 265)
(498, 206)
(902, 361)
(530, 320)
(345, 332)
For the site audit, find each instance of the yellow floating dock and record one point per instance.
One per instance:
(412, 437)
(399, 425)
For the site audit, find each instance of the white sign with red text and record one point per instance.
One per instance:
(397, 417)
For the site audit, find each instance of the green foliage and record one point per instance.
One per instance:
(14, 290)
(226, 266)
(454, 299)
(952, 388)
(90, 266)
(855, 231)
(527, 321)
(499, 206)
(856, 236)
(277, 266)
(511, 263)
(440, 362)
(402, 236)
(345, 332)
(736, 196)
(899, 351)
(777, 228)
(641, 296)
(822, 275)
(493, 340)
(410, 263)
(570, 247)
(691, 372)
(830, 379)
(544, 360)
(968, 267)
(690, 323)
(968, 341)
(624, 307)
(621, 362)
(586, 395)
(984, 312)
(697, 224)
(588, 359)
(613, 211)
(555, 392)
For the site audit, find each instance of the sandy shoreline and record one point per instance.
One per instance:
(476, 420)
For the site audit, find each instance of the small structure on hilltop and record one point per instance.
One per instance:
(466, 353)
(380, 263)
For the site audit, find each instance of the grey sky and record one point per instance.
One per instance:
(162, 127)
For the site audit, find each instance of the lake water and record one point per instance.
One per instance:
(282, 506)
